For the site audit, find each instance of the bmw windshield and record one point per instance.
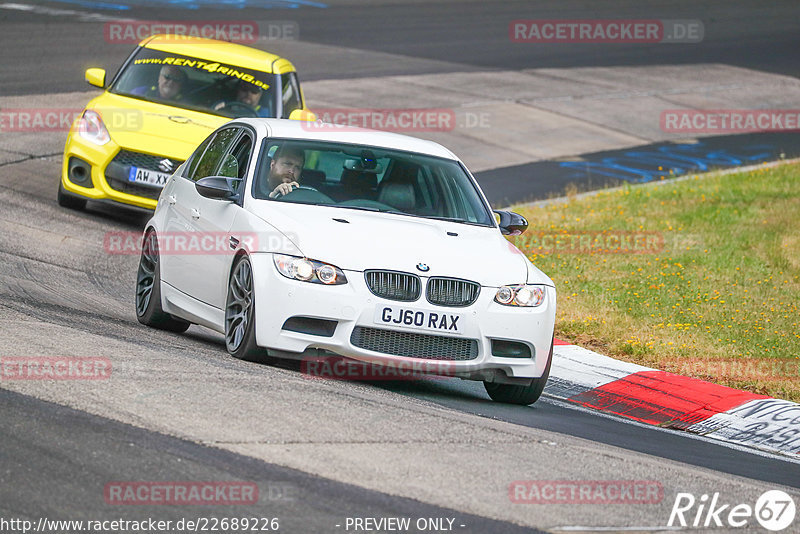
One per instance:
(198, 84)
(368, 178)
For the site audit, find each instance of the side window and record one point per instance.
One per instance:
(236, 161)
(290, 93)
(194, 159)
(212, 157)
(242, 153)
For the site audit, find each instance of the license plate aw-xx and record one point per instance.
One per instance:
(146, 176)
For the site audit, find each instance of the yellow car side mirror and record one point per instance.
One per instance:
(302, 115)
(96, 77)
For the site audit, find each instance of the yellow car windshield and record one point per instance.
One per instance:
(197, 84)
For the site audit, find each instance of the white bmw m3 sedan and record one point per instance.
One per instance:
(300, 239)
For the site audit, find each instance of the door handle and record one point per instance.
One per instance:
(195, 213)
(172, 199)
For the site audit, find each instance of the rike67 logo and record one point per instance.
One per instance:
(774, 510)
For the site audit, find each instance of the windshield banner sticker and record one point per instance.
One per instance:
(212, 67)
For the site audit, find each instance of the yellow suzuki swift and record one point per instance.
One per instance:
(168, 96)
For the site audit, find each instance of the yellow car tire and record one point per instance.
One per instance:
(65, 200)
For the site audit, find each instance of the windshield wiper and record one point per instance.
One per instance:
(436, 217)
(453, 219)
(362, 208)
(398, 212)
(295, 202)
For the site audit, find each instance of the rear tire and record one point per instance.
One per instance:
(65, 200)
(240, 315)
(148, 290)
(524, 395)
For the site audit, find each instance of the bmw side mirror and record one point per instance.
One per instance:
(218, 187)
(511, 223)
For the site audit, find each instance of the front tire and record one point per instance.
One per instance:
(65, 200)
(240, 315)
(148, 290)
(524, 395)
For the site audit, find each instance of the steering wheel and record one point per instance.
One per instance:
(306, 187)
(240, 109)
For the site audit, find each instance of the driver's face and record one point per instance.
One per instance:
(248, 94)
(286, 169)
(170, 82)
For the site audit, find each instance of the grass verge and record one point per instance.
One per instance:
(699, 277)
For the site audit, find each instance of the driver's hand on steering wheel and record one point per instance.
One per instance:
(283, 189)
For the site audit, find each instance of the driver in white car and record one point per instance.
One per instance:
(284, 170)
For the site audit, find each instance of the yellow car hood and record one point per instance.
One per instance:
(154, 128)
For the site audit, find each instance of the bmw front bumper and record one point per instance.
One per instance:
(343, 319)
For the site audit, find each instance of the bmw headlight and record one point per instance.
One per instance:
(306, 270)
(91, 128)
(525, 295)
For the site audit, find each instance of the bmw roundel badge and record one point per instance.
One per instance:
(423, 267)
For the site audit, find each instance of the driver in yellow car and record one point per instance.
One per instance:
(169, 84)
(249, 95)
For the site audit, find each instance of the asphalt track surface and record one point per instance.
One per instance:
(64, 482)
(43, 53)
(55, 460)
(46, 50)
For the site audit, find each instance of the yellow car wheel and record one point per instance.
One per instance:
(65, 200)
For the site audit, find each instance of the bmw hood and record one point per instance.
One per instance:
(355, 240)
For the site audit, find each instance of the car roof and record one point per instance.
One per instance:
(222, 51)
(319, 131)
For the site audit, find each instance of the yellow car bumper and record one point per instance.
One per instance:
(104, 181)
